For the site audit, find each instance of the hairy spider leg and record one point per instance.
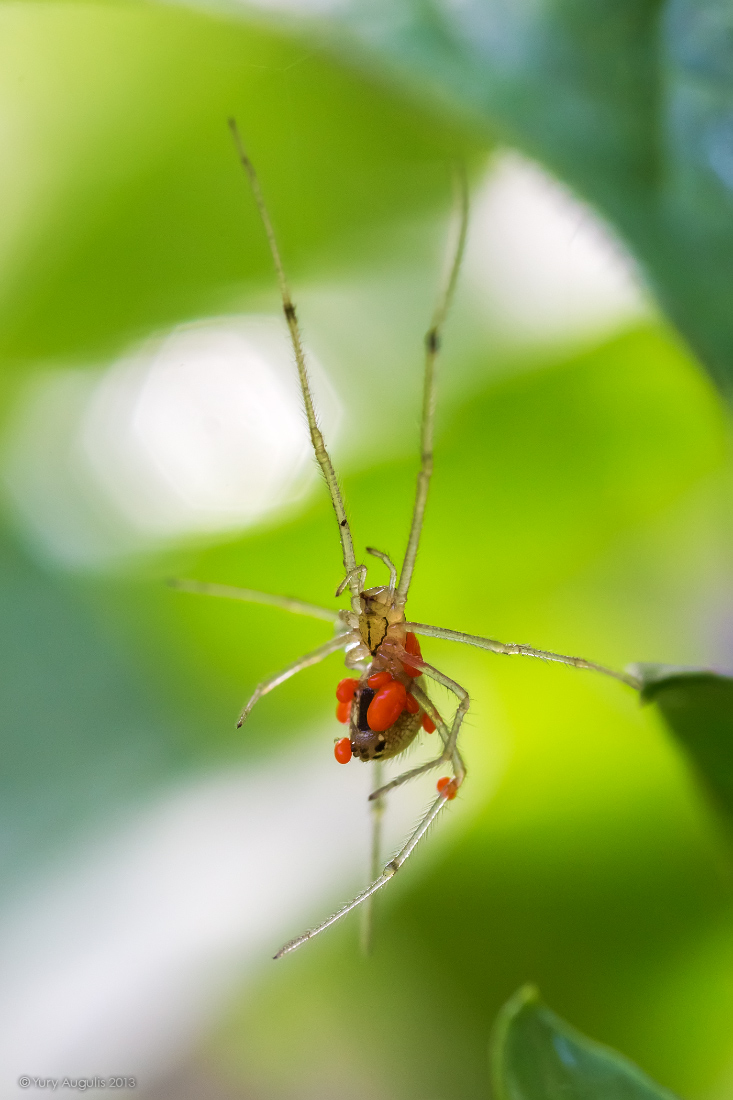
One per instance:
(359, 572)
(312, 658)
(251, 595)
(319, 447)
(391, 869)
(389, 563)
(459, 769)
(450, 742)
(432, 348)
(515, 648)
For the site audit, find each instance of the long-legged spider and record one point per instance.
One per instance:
(385, 706)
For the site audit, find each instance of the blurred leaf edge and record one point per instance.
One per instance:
(532, 1046)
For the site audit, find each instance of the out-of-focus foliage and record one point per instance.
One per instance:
(537, 1056)
(577, 504)
(627, 100)
(698, 707)
(127, 215)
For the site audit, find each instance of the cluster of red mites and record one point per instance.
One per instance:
(391, 698)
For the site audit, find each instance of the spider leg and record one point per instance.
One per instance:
(359, 572)
(450, 737)
(388, 562)
(512, 648)
(459, 768)
(377, 808)
(250, 595)
(312, 658)
(319, 447)
(432, 347)
(391, 869)
(377, 800)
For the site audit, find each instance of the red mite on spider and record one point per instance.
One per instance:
(388, 704)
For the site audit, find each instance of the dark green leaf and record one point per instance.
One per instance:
(537, 1056)
(697, 704)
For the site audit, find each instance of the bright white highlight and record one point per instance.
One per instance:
(200, 432)
(543, 266)
(208, 433)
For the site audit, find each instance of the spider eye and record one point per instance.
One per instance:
(342, 750)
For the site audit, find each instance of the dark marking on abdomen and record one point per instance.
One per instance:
(364, 700)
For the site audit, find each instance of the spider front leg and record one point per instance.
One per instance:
(450, 738)
(313, 658)
(389, 871)
(519, 649)
(251, 595)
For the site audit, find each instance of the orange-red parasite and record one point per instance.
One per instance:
(386, 706)
(413, 648)
(342, 750)
(342, 712)
(345, 690)
(428, 724)
(447, 787)
(379, 680)
(412, 704)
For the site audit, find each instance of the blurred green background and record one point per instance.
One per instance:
(581, 502)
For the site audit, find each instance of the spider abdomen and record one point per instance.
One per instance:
(383, 714)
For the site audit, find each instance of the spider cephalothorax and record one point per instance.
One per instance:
(380, 618)
(386, 706)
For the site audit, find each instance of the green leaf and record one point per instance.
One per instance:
(697, 705)
(535, 1055)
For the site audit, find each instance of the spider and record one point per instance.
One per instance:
(387, 704)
